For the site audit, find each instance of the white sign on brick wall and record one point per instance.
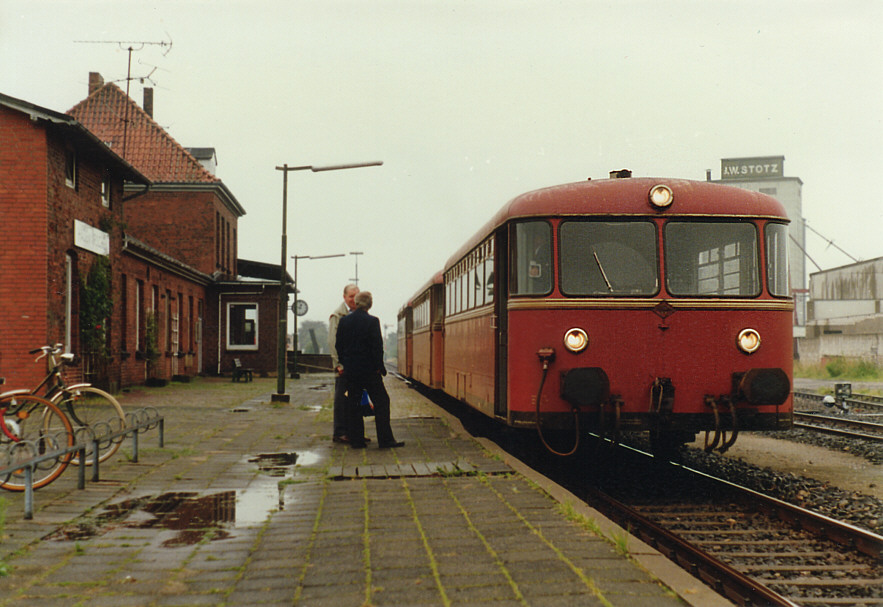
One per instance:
(91, 239)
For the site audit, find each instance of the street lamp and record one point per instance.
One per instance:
(356, 254)
(280, 395)
(294, 373)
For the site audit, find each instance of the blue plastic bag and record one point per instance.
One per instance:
(366, 405)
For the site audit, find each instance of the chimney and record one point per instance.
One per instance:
(148, 101)
(95, 82)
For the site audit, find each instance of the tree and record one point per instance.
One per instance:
(96, 307)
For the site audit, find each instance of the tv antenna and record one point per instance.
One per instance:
(131, 46)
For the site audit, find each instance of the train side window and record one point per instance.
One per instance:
(478, 281)
(777, 259)
(711, 258)
(470, 292)
(608, 258)
(489, 279)
(531, 262)
(464, 290)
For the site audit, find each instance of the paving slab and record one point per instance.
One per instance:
(249, 502)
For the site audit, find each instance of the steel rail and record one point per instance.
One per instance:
(863, 541)
(856, 400)
(724, 579)
(801, 419)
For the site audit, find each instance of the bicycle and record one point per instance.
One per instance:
(90, 409)
(32, 426)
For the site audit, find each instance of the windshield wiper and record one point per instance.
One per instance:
(603, 273)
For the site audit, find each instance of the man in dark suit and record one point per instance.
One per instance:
(360, 351)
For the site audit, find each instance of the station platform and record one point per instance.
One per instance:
(250, 503)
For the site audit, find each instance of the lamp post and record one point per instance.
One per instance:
(280, 395)
(356, 254)
(294, 373)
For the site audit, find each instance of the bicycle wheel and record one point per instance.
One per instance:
(31, 427)
(98, 413)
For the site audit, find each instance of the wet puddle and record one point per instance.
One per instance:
(196, 517)
(275, 464)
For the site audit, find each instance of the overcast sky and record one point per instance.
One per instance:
(469, 103)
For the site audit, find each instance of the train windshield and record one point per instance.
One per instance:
(608, 258)
(711, 259)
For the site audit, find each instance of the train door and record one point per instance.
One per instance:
(501, 318)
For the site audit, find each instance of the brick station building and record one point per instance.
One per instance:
(105, 188)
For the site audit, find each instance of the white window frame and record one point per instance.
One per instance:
(70, 168)
(105, 190)
(257, 332)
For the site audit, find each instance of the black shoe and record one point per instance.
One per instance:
(391, 445)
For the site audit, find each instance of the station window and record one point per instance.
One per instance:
(242, 326)
(70, 169)
(608, 258)
(105, 190)
(777, 259)
(711, 259)
(531, 263)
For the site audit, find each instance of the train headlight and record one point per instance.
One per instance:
(576, 340)
(748, 340)
(661, 196)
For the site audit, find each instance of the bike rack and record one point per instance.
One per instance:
(136, 422)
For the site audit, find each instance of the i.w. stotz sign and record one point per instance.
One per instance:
(765, 167)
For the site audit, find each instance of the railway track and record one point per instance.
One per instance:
(840, 426)
(866, 404)
(751, 548)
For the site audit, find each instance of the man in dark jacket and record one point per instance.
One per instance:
(360, 352)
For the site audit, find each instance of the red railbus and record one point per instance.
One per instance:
(618, 305)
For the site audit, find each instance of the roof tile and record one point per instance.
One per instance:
(119, 122)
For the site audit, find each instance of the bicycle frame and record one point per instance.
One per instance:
(53, 383)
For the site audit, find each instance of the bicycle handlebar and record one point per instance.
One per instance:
(46, 350)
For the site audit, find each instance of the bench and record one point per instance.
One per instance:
(242, 373)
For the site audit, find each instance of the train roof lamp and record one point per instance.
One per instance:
(661, 197)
